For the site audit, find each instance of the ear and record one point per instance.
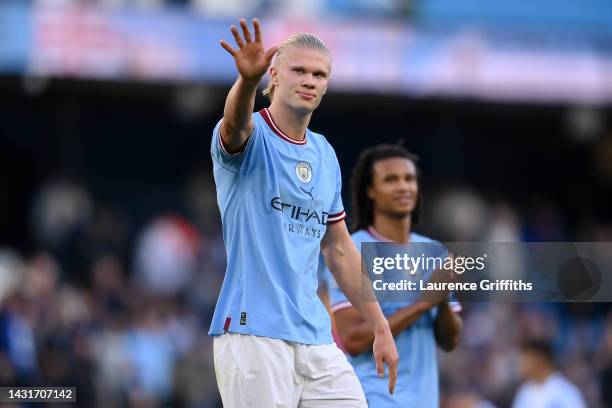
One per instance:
(273, 74)
(327, 84)
(370, 192)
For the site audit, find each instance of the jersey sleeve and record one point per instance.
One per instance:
(336, 212)
(231, 161)
(521, 400)
(572, 398)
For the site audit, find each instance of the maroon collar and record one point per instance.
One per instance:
(265, 113)
(378, 236)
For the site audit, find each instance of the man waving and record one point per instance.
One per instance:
(279, 192)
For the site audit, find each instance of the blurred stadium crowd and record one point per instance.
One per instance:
(225, 8)
(126, 321)
(121, 327)
(111, 254)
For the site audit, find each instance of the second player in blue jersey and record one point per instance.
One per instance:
(386, 201)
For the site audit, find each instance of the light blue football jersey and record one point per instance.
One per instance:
(417, 382)
(276, 199)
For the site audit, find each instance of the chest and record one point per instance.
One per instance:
(300, 179)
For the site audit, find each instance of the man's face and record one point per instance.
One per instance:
(528, 363)
(394, 188)
(300, 78)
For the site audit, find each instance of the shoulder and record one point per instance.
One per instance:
(361, 236)
(258, 120)
(414, 237)
(559, 384)
(428, 245)
(523, 395)
(525, 390)
(320, 142)
(317, 137)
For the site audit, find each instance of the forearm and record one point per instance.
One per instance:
(406, 316)
(237, 126)
(448, 327)
(345, 264)
(344, 261)
(358, 337)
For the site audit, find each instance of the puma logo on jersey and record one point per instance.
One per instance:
(308, 192)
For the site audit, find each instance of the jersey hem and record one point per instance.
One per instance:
(278, 336)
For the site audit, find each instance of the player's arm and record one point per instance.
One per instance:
(447, 327)
(252, 61)
(356, 334)
(344, 261)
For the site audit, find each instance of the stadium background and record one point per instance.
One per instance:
(111, 256)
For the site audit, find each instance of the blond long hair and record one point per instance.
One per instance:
(301, 40)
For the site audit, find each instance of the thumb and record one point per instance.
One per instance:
(270, 53)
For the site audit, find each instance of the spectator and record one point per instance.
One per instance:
(544, 387)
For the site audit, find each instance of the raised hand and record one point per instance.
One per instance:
(252, 61)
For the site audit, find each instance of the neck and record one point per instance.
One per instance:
(291, 122)
(542, 374)
(397, 230)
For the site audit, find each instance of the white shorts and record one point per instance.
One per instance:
(261, 372)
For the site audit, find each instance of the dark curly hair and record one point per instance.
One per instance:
(541, 347)
(363, 209)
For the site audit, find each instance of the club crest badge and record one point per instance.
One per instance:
(303, 172)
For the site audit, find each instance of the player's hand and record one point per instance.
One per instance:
(435, 297)
(385, 352)
(252, 60)
(444, 276)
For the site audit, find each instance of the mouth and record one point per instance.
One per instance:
(305, 95)
(404, 199)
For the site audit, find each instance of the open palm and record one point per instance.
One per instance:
(252, 60)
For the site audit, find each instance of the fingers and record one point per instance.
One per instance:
(239, 41)
(380, 366)
(228, 48)
(257, 29)
(392, 376)
(270, 53)
(245, 30)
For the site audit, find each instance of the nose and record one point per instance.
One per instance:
(308, 81)
(403, 185)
